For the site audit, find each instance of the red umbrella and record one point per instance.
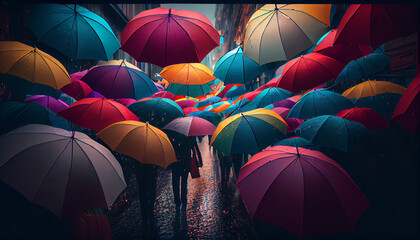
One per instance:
(191, 126)
(344, 53)
(186, 103)
(178, 97)
(249, 95)
(76, 89)
(407, 112)
(271, 83)
(97, 113)
(281, 111)
(300, 190)
(374, 24)
(366, 117)
(189, 110)
(164, 94)
(308, 71)
(165, 36)
(293, 123)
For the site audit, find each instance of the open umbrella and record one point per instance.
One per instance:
(371, 88)
(32, 65)
(270, 95)
(49, 102)
(188, 73)
(166, 36)
(278, 32)
(248, 132)
(96, 113)
(186, 103)
(73, 30)
(191, 126)
(300, 190)
(295, 142)
(235, 91)
(164, 94)
(365, 116)
(280, 111)
(189, 110)
(65, 172)
(141, 141)
(293, 123)
(77, 89)
(319, 102)
(125, 101)
(212, 117)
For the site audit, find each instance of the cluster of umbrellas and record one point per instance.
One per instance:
(285, 123)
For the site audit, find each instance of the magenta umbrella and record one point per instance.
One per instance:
(186, 103)
(300, 190)
(365, 116)
(77, 89)
(49, 102)
(164, 94)
(286, 103)
(293, 123)
(191, 126)
(125, 101)
(281, 111)
(79, 75)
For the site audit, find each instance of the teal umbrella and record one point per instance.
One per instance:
(270, 95)
(74, 31)
(189, 90)
(236, 106)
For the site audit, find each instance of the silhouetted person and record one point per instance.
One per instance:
(181, 168)
(237, 163)
(225, 165)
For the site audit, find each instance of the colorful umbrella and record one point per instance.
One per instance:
(286, 103)
(188, 90)
(212, 117)
(270, 95)
(237, 106)
(281, 111)
(293, 123)
(96, 113)
(278, 32)
(235, 91)
(16, 114)
(234, 67)
(191, 126)
(248, 132)
(319, 102)
(407, 111)
(157, 111)
(78, 75)
(65, 172)
(375, 24)
(164, 94)
(308, 71)
(186, 103)
(188, 73)
(226, 88)
(300, 190)
(125, 101)
(295, 142)
(365, 116)
(189, 110)
(120, 81)
(49, 102)
(335, 132)
(372, 88)
(95, 94)
(76, 89)
(165, 36)
(32, 65)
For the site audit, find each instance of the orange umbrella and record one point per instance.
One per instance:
(32, 65)
(221, 107)
(372, 88)
(188, 73)
(141, 141)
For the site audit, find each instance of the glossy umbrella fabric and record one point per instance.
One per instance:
(16, 114)
(235, 67)
(365, 116)
(77, 89)
(212, 117)
(32, 64)
(157, 111)
(248, 132)
(302, 191)
(308, 71)
(96, 113)
(65, 172)
(371, 88)
(191, 126)
(270, 95)
(120, 81)
(319, 102)
(166, 36)
(278, 32)
(375, 24)
(74, 31)
(141, 141)
(49, 102)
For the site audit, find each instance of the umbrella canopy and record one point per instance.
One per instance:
(248, 132)
(96, 113)
(49, 102)
(78, 75)
(294, 142)
(278, 32)
(365, 116)
(186, 103)
(212, 117)
(335, 132)
(165, 37)
(125, 101)
(120, 81)
(141, 141)
(375, 24)
(248, 95)
(293, 123)
(16, 114)
(226, 88)
(32, 64)
(188, 73)
(65, 172)
(189, 110)
(308, 71)
(191, 126)
(372, 88)
(281, 111)
(286, 103)
(95, 94)
(189, 90)
(164, 94)
(235, 67)
(121, 62)
(157, 111)
(235, 91)
(407, 111)
(74, 31)
(237, 106)
(319, 102)
(300, 190)
(270, 95)
(76, 89)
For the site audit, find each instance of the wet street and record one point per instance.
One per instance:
(211, 213)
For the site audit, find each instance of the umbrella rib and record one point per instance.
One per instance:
(230, 65)
(338, 34)
(84, 110)
(252, 130)
(253, 30)
(189, 37)
(161, 145)
(65, 20)
(52, 59)
(99, 77)
(200, 28)
(314, 18)
(102, 45)
(138, 29)
(148, 39)
(262, 35)
(115, 77)
(52, 73)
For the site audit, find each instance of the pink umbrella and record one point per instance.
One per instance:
(281, 111)
(286, 103)
(189, 110)
(76, 89)
(186, 103)
(365, 116)
(125, 101)
(300, 190)
(164, 94)
(293, 123)
(49, 102)
(78, 75)
(191, 126)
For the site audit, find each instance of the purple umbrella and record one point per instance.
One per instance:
(95, 94)
(49, 102)
(286, 103)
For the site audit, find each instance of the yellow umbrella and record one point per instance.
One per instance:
(32, 65)
(372, 88)
(141, 141)
(278, 32)
(188, 73)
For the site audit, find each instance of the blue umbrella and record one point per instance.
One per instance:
(295, 142)
(235, 91)
(236, 106)
(235, 67)
(319, 102)
(212, 117)
(73, 30)
(210, 100)
(270, 95)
